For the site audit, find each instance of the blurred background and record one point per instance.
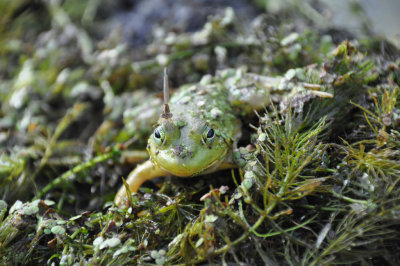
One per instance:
(138, 18)
(360, 17)
(80, 80)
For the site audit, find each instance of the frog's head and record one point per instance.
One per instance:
(185, 148)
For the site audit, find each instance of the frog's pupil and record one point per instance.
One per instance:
(210, 133)
(157, 134)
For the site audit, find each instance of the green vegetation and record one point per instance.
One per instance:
(318, 185)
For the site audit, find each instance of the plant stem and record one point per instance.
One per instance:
(77, 169)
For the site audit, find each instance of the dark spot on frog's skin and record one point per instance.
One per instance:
(178, 150)
(182, 151)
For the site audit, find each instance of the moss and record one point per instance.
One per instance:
(318, 176)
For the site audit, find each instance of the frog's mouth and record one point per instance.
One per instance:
(187, 165)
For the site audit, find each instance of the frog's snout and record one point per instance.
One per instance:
(181, 151)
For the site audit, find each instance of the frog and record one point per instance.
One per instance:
(199, 128)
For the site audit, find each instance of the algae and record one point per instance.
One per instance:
(318, 180)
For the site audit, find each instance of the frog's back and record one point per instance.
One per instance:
(209, 104)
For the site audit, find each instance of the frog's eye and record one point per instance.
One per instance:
(159, 135)
(208, 135)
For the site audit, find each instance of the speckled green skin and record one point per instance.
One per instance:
(203, 131)
(215, 103)
(195, 110)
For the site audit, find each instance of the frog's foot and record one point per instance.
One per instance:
(136, 178)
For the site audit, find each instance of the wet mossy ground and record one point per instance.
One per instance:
(318, 181)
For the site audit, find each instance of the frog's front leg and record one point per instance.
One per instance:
(137, 177)
(148, 171)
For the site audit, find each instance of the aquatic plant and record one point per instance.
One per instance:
(318, 180)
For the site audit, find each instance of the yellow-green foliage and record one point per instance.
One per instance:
(318, 177)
